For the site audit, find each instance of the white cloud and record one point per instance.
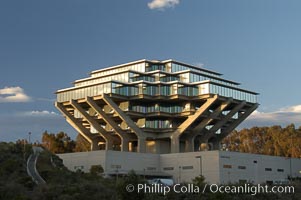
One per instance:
(40, 113)
(283, 117)
(162, 4)
(294, 109)
(13, 94)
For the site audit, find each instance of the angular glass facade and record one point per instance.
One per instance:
(155, 79)
(155, 96)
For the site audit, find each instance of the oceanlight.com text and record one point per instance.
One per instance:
(212, 188)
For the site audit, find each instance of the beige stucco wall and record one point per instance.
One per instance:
(255, 167)
(183, 167)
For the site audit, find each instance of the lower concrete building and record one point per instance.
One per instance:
(218, 167)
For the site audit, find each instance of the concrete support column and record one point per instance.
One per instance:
(189, 144)
(109, 144)
(157, 146)
(174, 144)
(141, 145)
(124, 144)
(94, 145)
(78, 126)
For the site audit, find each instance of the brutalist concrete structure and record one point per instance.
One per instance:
(155, 107)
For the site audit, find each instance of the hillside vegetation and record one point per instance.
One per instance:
(274, 140)
(60, 182)
(14, 181)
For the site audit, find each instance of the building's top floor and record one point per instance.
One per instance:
(153, 77)
(151, 65)
(170, 69)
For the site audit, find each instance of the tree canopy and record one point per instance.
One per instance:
(273, 140)
(58, 143)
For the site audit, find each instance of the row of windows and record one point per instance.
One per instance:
(153, 90)
(169, 78)
(125, 90)
(270, 169)
(185, 77)
(84, 92)
(157, 108)
(158, 124)
(154, 67)
(188, 91)
(198, 78)
(230, 166)
(123, 77)
(229, 92)
(244, 167)
(152, 78)
(136, 67)
(184, 90)
(177, 68)
(181, 167)
(144, 78)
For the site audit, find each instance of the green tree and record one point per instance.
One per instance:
(81, 144)
(131, 179)
(199, 181)
(96, 169)
(274, 140)
(58, 143)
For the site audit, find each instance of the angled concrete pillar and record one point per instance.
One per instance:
(189, 144)
(174, 144)
(141, 144)
(223, 121)
(108, 138)
(77, 126)
(124, 144)
(226, 118)
(241, 118)
(123, 116)
(94, 145)
(196, 115)
(175, 138)
(141, 136)
(109, 144)
(211, 117)
(123, 137)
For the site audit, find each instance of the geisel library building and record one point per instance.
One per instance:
(162, 119)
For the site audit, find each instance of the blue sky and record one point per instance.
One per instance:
(45, 45)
